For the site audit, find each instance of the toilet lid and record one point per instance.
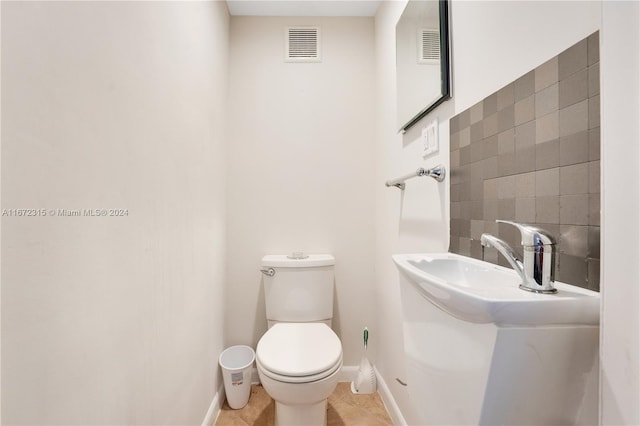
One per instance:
(299, 349)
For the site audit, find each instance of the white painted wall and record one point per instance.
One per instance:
(620, 318)
(113, 320)
(301, 168)
(494, 43)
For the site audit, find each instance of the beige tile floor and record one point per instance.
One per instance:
(344, 409)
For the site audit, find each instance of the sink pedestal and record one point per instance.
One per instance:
(468, 373)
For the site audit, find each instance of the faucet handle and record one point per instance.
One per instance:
(531, 235)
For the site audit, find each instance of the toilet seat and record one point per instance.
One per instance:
(299, 352)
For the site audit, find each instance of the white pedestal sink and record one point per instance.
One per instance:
(480, 351)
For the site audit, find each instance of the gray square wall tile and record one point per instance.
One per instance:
(453, 125)
(524, 110)
(476, 151)
(464, 119)
(574, 118)
(455, 210)
(506, 187)
(505, 96)
(465, 246)
(547, 127)
(574, 209)
(490, 125)
(455, 158)
(454, 140)
(572, 270)
(525, 135)
(490, 147)
(490, 255)
(490, 210)
(507, 209)
(572, 60)
(477, 132)
(546, 74)
(525, 160)
(548, 209)
(574, 179)
(526, 185)
(506, 164)
(525, 210)
(490, 105)
(465, 228)
(547, 155)
(574, 148)
(594, 177)
(476, 249)
(574, 88)
(594, 242)
(506, 142)
(490, 189)
(547, 182)
(476, 113)
(547, 100)
(594, 80)
(506, 118)
(594, 112)
(464, 137)
(573, 240)
(524, 86)
(593, 274)
(594, 144)
(490, 167)
(465, 155)
(475, 208)
(477, 228)
(593, 48)
(491, 227)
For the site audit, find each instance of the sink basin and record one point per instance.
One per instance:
(481, 292)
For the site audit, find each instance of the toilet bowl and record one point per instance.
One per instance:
(298, 366)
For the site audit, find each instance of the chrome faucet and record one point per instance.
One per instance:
(537, 269)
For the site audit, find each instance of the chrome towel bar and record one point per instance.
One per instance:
(437, 172)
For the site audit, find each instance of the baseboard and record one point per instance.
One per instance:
(215, 407)
(348, 373)
(389, 402)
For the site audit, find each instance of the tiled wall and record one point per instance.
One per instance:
(531, 153)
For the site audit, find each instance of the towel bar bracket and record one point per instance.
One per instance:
(438, 173)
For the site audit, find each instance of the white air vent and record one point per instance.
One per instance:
(302, 44)
(428, 46)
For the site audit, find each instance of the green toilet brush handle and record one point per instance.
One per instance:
(366, 337)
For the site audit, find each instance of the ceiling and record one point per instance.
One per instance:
(303, 7)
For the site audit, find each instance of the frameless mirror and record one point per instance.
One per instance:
(422, 59)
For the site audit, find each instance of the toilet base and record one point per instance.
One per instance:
(305, 414)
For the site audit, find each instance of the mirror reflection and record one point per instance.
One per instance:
(422, 59)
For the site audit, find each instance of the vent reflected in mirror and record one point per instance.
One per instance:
(422, 59)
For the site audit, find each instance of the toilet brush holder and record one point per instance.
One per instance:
(365, 381)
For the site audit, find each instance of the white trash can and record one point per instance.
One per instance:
(236, 363)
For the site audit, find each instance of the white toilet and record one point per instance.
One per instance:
(299, 357)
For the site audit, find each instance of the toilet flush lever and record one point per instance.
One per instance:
(268, 272)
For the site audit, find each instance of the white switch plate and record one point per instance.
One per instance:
(430, 139)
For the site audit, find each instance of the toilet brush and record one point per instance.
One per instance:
(366, 379)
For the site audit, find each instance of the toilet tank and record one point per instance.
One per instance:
(301, 290)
